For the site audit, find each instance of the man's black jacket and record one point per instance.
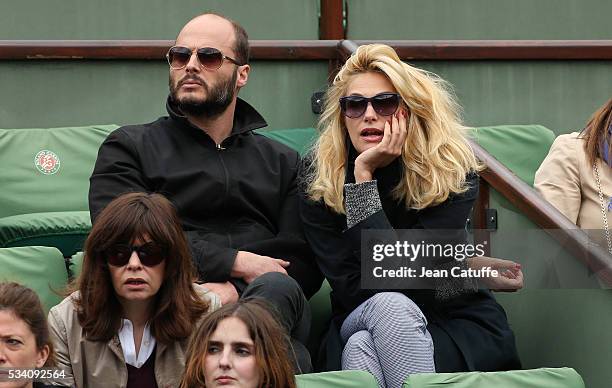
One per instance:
(240, 195)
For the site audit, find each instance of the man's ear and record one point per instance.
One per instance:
(243, 75)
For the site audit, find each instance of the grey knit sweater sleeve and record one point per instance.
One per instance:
(361, 200)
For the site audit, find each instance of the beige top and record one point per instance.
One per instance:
(95, 364)
(566, 180)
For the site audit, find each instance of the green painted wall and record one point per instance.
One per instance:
(47, 94)
(61, 93)
(558, 94)
(479, 19)
(561, 95)
(554, 327)
(151, 19)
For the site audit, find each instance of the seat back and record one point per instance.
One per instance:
(41, 268)
(47, 170)
(534, 378)
(300, 139)
(521, 148)
(341, 379)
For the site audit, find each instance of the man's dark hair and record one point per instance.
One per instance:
(241, 45)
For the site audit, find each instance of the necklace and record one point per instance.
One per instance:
(603, 209)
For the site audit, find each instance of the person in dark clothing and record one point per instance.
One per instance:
(235, 190)
(391, 156)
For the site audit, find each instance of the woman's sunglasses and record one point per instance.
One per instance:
(149, 254)
(210, 58)
(384, 104)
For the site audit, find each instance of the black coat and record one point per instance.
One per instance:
(39, 384)
(239, 196)
(470, 332)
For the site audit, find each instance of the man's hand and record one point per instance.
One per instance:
(510, 276)
(249, 266)
(226, 291)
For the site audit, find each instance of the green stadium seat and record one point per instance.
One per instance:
(300, 139)
(534, 378)
(341, 379)
(521, 148)
(75, 264)
(320, 306)
(41, 268)
(45, 181)
(64, 230)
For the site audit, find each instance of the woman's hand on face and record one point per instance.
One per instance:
(385, 152)
(510, 277)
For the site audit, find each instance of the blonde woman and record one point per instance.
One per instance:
(392, 154)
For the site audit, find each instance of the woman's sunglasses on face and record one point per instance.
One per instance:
(384, 104)
(149, 254)
(209, 57)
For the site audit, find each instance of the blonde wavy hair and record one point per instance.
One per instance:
(436, 155)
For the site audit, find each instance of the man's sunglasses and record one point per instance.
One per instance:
(384, 104)
(209, 57)
(149, 254)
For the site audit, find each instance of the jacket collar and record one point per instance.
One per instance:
(246, 118)
(115, 345)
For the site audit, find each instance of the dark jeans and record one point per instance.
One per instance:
(292, 310)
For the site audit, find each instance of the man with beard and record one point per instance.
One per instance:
(235, 190)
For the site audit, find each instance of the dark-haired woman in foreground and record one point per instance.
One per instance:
(24, 337)
(392, 154)
(128, 323)
(239, 345)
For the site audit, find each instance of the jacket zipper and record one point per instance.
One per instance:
(226, 176)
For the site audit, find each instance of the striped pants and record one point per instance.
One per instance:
(387, 336)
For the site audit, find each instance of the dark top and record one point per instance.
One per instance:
(143, 377)
(471, 326)
(39, 384)
(241, 195)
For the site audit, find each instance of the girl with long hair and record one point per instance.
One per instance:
(240, 345)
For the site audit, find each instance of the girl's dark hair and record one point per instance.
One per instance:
(269, 337)
(177, 305)
(596, 133)
(25, 304)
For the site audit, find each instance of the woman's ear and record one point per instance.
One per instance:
(42, 356)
